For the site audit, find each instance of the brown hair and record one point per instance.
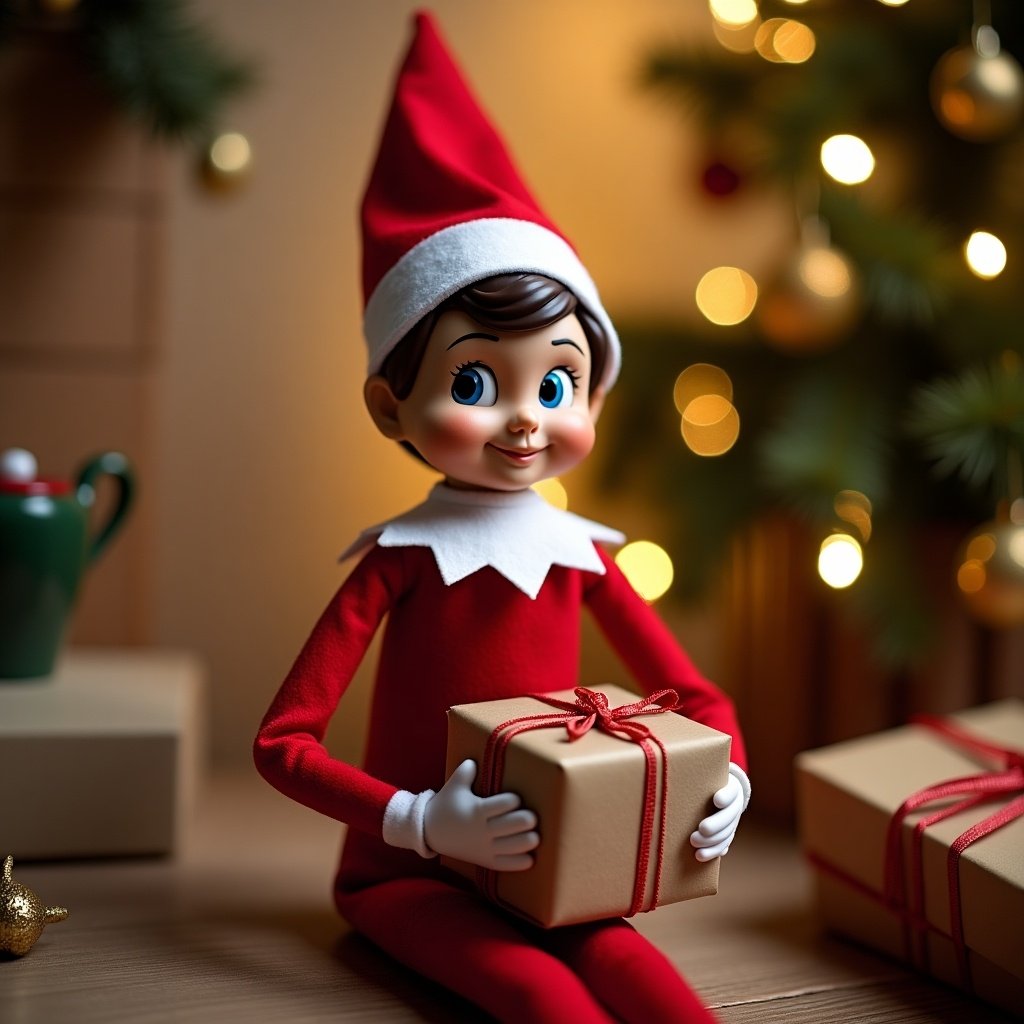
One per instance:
(505, 302)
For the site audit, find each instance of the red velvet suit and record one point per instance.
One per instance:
(478, 639)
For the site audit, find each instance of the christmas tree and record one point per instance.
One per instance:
(872, 382)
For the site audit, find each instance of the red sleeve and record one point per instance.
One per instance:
(289, 750)
(654, 657)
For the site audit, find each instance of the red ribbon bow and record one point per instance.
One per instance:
(958, 795)
(590, 710)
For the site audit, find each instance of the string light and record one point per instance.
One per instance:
(648, 568)
(710, 425)
(985, 255)
(848, 159)
(726, 295)
(840, 560)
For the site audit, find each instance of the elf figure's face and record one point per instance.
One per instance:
(492, 410)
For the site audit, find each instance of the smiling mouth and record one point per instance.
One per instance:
(518, 456)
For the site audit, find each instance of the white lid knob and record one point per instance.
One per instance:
(18, 465)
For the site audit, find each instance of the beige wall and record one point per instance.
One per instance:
(234, 380)
(267, 464)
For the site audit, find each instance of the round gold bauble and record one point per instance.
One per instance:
(990, 573)
(226, 161)
(812, 303)
(977, 97)
(22, 914)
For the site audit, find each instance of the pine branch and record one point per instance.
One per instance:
(973, 424)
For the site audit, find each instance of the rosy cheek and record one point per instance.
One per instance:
(450, 425)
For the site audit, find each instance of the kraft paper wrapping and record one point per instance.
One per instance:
(588, 796)
(846, 795)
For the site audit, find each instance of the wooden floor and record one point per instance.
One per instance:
(239, 927)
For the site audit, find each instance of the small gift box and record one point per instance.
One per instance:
(917, 840)
(618, 784)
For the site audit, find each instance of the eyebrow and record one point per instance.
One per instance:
(567, 341)
(468, 337)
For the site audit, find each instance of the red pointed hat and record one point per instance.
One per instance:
(445, 206)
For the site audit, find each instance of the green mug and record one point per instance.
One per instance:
(45, 546)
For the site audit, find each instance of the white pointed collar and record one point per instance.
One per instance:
(515, 532)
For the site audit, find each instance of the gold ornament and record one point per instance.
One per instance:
(227, 161)
(990, 574)
(978, 90)
(22, 914)
(812, 302)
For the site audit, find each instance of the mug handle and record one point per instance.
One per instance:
(112, 464)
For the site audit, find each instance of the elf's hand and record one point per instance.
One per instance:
(492, 832)
(715, 833)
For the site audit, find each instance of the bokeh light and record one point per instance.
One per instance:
(733, 13)
(985, 255)
(647, 567)
(824, 272)
(553, 492)
(784, 41)
(726, 295)
(854, 508)
(840, 560)
(230, 153)
(847, 159)
(710, 425)
(700, 379)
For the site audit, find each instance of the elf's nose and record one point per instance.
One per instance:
(524, 420)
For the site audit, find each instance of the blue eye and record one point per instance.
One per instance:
(556, 389)
(474, 384)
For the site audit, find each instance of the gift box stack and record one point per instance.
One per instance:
(916, 837)
(618, 784)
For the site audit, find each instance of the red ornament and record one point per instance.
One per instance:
(720, 180)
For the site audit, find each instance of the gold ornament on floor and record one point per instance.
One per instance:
(978, 90)
(22, 914)
(991, 570)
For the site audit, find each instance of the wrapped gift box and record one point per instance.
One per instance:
(589, 796)
(848, 794)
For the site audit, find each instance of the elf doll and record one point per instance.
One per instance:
(490, 355)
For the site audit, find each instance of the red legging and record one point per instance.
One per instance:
(598, 972)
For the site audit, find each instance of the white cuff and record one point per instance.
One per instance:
(741, 777)
(403, 821)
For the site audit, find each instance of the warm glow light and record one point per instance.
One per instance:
(855, 509)
(847, 159)
(840, 560)
(785, 41)
(230, 152)
(736, 38)
(970, 577)
(985, 255)
(893, 3)
(726, 295)
(734, 13)
(647, 567)
(710, 425)
(824, 272)
(553, 492)
(700, 379)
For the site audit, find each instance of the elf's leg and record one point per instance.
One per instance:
(632, 977)
(452, 936)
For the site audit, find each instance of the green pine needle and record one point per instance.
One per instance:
(973, 424)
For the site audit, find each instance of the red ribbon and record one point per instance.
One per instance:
(957, 795)
(591, 710)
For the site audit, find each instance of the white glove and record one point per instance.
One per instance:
(715, 833)
(492, 832)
